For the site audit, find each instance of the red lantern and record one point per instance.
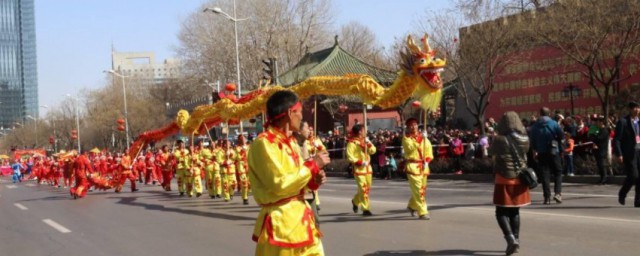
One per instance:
(230, 87)
(121, 128)
(415, 104)
(51, 140)
(120, 121)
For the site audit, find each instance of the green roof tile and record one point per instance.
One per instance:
(333, 61)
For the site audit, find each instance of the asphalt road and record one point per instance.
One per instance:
(43, 220)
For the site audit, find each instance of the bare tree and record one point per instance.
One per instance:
(476, 54)
(602, 37)
(358, 40)
(285, 29)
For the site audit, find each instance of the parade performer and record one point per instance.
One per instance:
(228, 171)
(218, 155)
(150, 172)
(192, 175)
(140, 169)
(82, 167)
(241, 168)
(183, 162)
(359, 149)
(280, 176)
(67, 173)
(209, 162)
(417, 154)
(164, 163)
(314, 146)
(124, 173)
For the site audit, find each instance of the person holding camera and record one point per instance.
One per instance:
(509, 149)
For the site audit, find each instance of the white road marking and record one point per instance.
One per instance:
(30, 185)
(57, 226)
(491, 210)
(12, 186)
(21, 207)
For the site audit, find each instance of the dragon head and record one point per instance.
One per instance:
(423, 64)
(182, 118)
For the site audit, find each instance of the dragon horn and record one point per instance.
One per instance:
(425, 44)
(412, 46)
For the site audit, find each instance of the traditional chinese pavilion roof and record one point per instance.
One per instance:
(333, 61)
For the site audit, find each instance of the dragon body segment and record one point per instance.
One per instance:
(419, 77)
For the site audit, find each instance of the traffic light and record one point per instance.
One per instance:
(271, 70)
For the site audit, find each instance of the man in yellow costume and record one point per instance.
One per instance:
(218, 155)
(417, 155)
(280, 176)
(192, 176)
(210, 165)
(312, 146)
(241, 168)
(228, 171)
(359, 151)
(183, 163)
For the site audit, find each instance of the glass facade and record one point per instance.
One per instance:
(18, 66)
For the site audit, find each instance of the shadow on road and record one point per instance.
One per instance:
(133, 201)
(442, 252)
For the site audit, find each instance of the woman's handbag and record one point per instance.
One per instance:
(526, 175)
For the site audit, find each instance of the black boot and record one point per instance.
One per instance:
(621, 197)
(512, 245)
(505, 225)
(515, 228)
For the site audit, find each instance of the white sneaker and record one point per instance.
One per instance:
(571, 175)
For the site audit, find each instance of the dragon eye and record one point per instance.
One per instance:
(423, 61)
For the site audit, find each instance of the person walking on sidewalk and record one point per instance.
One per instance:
(546, 136)
(627, 149)
(509, 149)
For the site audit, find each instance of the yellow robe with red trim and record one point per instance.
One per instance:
(279, 177)
(362, 173)
(418, 152)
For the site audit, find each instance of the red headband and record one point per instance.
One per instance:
(297, 106)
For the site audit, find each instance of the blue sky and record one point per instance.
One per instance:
(74, 37)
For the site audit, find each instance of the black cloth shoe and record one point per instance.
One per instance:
(354, 207)
(411, 211)
(245, 201)
(198, 194)
(366, 213)
(547, 200)
(181, 193)
(134, 190)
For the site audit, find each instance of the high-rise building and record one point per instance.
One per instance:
(143, 65)
(18, 69)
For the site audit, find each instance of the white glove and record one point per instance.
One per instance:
(366, 139)
(424, 134)
(365, 163)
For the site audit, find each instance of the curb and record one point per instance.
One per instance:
(579, 179)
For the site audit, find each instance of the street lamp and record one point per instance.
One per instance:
(77, 120)
(124, 92)
(35, 123)
(571, 91)
(235, 20)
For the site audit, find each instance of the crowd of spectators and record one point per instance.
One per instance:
(581, 141)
